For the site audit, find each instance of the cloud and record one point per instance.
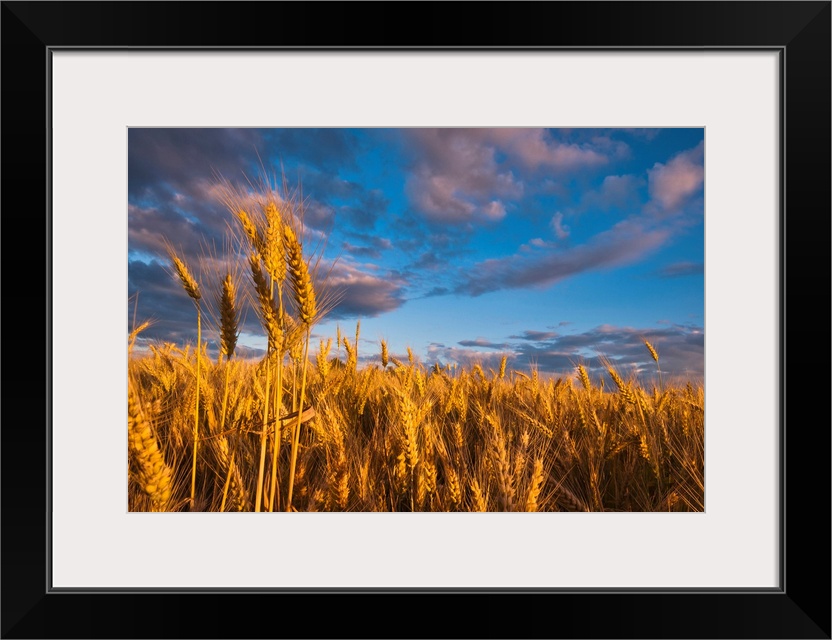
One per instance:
(429, 261)
(162, 299)
(463, 175)
(374, 250)
(359, 294)
(680, 348)
(494, 210)
(370, 206)
(346, 202)
(626, 242)
(616, 191)
(536, 148)
(464, 357)
(174, 160)
(681, 269)
(671, 184)
(482, 342)
(535, 336)
(560, 230)
(438, 291)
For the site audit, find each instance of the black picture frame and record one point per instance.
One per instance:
(799, 608)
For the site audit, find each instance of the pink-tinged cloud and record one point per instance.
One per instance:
(494, 210)
(671, 184)
(462, 175)
(358, 293)
(457, 178)
(625, 243)
(560, 230)
(535, 148)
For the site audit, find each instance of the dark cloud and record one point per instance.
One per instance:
(173, 177)
(680, 348)
(681, 269)
(361, 252)
(156, 294)
(348, 203)
(438, 291)
(371, 247)
(175, 160)
(162, 300)
(374, 241)
(535, 335)
(326, 186)
(149, 228)
(370, 206)
(485, 344)
(429, 261)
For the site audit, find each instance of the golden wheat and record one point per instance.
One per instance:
(154, 475)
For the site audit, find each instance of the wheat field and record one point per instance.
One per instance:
(305, 428)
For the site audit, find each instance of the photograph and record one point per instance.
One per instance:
(432, 288)
(416, 319)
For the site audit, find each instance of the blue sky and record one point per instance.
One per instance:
(550, 246)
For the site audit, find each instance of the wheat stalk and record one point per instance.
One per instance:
(186, 277)
(302, 288)
(229, 317)
(304, 294)
(192, 289)
(535, 485)
(155, 476)
(385, 356)
(583, 376)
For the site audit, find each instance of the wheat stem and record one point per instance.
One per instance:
(296, 434)
(258, 500)
(196, 407)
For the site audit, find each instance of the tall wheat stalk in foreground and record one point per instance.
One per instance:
(192, 289)
(276, 267)
(269, 318)
(229, 320)
(304, 294)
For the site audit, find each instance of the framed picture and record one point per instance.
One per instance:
(752, 80)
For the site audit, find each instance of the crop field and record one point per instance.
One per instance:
(306, 427)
